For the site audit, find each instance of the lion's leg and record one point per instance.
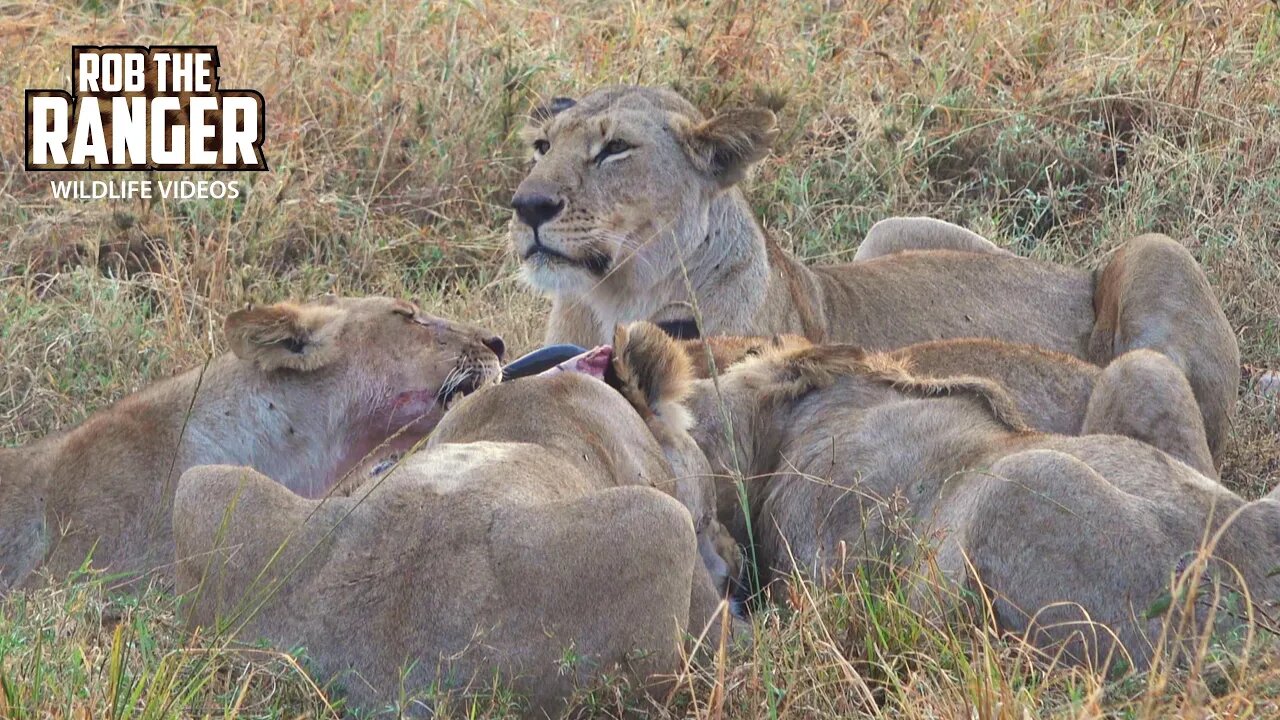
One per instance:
(1152, 294)
(1068, 561)
(602, 576)
(24, 533)
(1143, 395)
(711, 611)
(897, 234)
(239, 539)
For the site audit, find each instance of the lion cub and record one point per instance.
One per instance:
(306, 393)
(547, 517)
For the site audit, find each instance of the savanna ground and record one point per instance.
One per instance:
(1057, 128)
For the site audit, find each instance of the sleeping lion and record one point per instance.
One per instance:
(851, 459)
(631, 211)
(1053, 392)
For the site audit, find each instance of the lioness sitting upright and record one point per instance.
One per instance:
(631, 212)
(307, 392)
(536, 525)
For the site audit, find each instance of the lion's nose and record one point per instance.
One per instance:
(534, 209)
(495, 344)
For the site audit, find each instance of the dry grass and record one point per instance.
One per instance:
(1056, 127)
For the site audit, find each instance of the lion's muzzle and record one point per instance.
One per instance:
(534, 209)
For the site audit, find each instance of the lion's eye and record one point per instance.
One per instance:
(541, 147)
(611, 148)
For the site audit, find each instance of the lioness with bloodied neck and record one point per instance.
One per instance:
(632, 211)
(307, 393)
(547, 517)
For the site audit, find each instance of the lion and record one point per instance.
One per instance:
(544, 519)
(632, 211)
(1051, 392)
(852, 460)
(307, 392)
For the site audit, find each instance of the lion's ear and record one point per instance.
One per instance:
(652, 372)
(727, 145)
(544, 112)
(285, 336)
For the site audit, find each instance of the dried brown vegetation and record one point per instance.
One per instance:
(1058, 128)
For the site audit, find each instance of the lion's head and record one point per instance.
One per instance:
(621, 187)
(309, 393)
(382, 365)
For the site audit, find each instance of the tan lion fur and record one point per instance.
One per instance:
(261, 335)
(536, 525)
(1047, 391)
(308, 391)
(661, 232)
(848, 464)
(1142, 394)
(714, 354)
(897, 234)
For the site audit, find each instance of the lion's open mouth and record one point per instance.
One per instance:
(593, 261)
(464, 381)
(464, 385)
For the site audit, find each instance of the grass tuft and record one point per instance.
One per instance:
(1058, 128)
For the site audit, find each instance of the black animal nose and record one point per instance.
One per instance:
(534, 209)
(495, 344)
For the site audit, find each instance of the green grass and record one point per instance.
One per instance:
(1058, 128)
